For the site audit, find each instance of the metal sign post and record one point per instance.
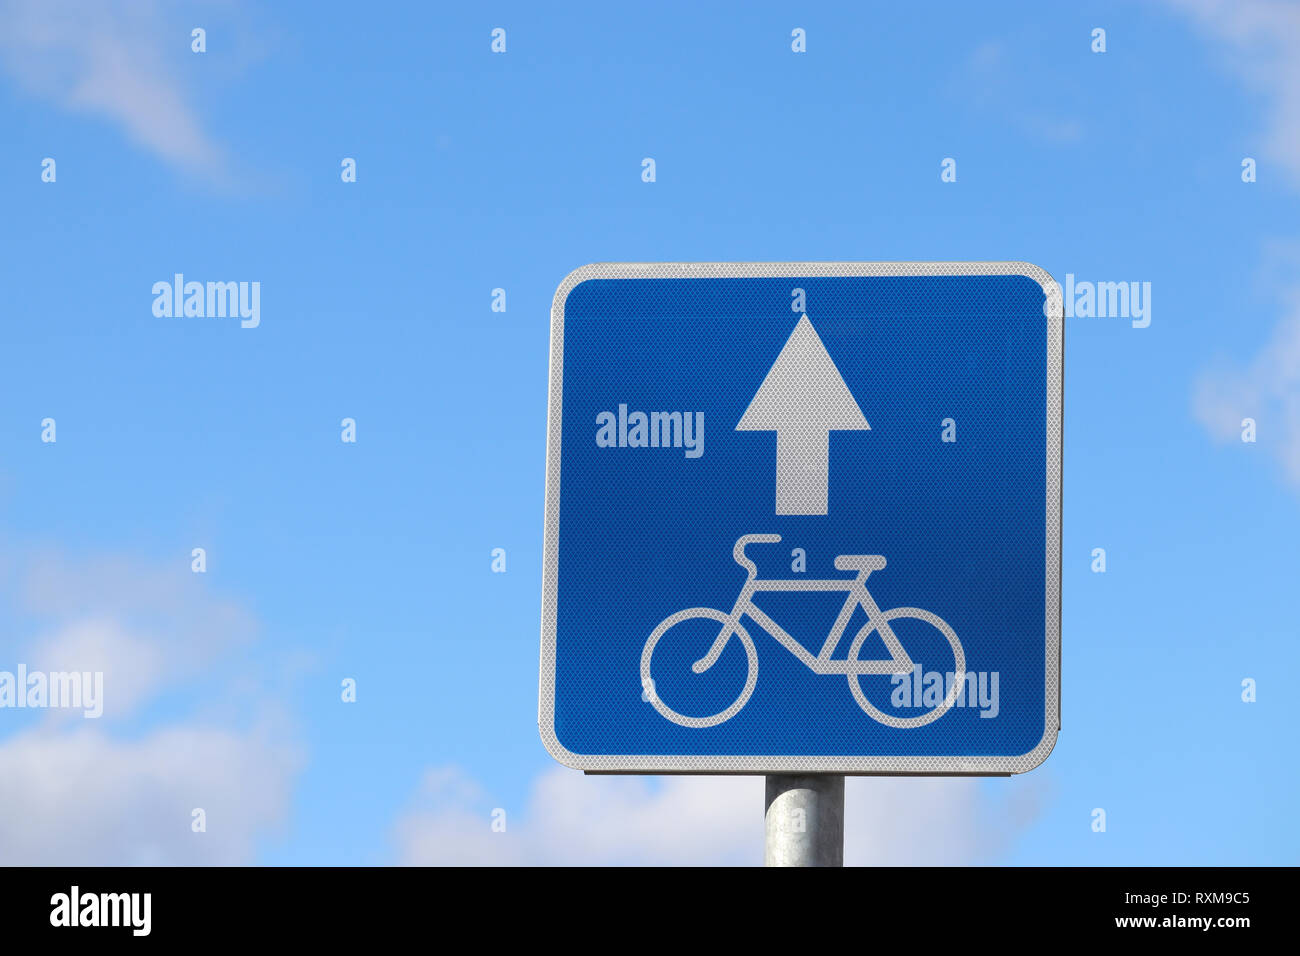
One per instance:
(804, 820)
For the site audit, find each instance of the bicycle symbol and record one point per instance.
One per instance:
(858, 596)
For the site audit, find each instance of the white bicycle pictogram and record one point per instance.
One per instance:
(858, 596)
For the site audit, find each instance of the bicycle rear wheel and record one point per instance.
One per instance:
(959, 668)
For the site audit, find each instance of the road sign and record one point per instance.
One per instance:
(803, 517)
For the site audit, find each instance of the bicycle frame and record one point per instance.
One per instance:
(858, 596)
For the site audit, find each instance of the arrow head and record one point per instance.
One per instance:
(803, 391)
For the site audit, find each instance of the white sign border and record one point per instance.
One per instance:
(838, 764)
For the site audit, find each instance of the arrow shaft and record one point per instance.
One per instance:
(803, 469)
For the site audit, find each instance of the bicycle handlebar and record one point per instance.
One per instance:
(738, 550)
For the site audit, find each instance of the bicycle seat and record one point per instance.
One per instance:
(859, 562)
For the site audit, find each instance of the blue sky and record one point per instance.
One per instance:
(477, 171)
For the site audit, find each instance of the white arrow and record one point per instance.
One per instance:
(803, 399)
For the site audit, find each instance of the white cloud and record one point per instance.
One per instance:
(572, 819)
(145, 628)
(988, 80)
(107, 791)
(1267, 389)
(81, 798)
(1261, 41)
(114, 58)
(132, 666)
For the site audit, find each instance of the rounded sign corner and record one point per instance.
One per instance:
(1038, 756)
(1031, 270)
(560, 753)
(571, 281)
(1054, 306)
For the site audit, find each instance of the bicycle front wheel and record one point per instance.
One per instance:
(651, 691)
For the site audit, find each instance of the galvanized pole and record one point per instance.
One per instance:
(805, 820)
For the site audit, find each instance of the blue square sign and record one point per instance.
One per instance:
(803, 517)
